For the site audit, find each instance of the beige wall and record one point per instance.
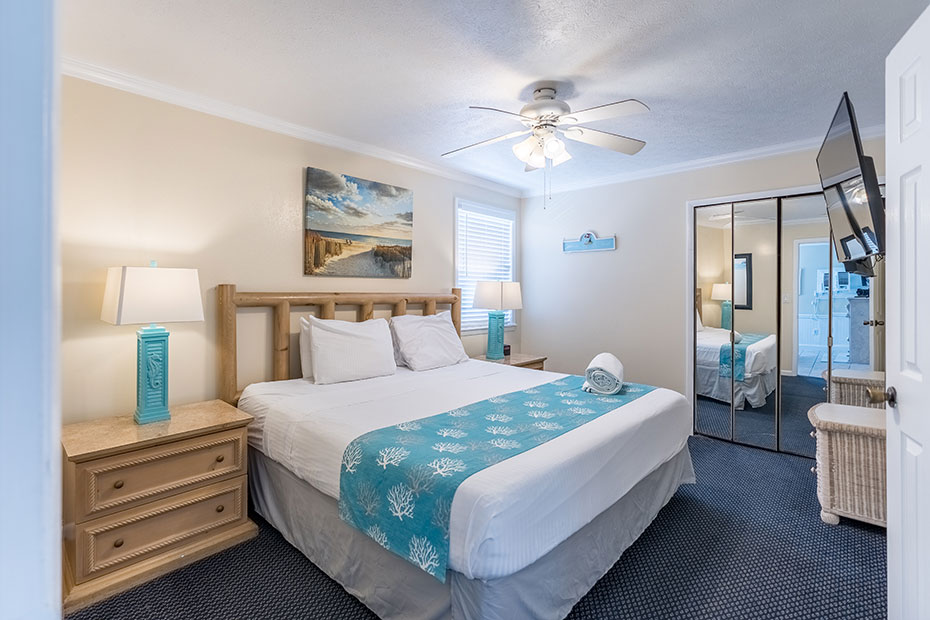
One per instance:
(760, 240)
(142, 180)
(632, 301)
(713, 267)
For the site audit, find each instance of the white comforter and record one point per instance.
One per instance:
(508, 515)
(760, 356)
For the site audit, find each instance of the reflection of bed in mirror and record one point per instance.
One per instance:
(754, 368)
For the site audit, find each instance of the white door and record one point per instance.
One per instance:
(907, 275)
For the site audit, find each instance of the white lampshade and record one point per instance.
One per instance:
(537, 158)
(523, 148)
(151, 295)
(498, 296)
(561, 159)
(720, 292)
(553, 147)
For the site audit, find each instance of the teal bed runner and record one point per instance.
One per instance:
(740, 348)
(396, 484)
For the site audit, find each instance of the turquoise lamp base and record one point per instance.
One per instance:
(495, 335)
(726, 314)
(152, 375)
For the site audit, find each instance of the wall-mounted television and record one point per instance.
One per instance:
(850, 187)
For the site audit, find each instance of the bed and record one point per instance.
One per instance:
(756, 375)
(529, 536)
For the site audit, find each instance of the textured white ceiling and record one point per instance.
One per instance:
(721, 76)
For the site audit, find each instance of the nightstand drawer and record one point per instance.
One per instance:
(110, 543)
(536, 366)
(126, 480)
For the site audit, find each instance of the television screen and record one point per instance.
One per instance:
(838, 159)
(850, 188)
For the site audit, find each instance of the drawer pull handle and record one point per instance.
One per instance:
(118, 543)
(220, 458)
(118, 484)
(219, 508)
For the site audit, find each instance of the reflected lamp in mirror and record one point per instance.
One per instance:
(139, 295)
(721, 293)
(497, 297)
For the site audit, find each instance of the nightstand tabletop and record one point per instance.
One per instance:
(106, 436)
(516, 359)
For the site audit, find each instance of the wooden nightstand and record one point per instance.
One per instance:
(524, 360)
(140, 501)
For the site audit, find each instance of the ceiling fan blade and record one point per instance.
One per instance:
(627, 107)
(506, 136)
(612, 141)
(481, 107)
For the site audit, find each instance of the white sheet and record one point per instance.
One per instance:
(760, 356)
(506, 516)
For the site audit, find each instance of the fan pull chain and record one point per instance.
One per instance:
(547, 183)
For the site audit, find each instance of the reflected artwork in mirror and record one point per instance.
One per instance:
(742, 281)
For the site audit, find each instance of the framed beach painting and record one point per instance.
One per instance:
(356, 228)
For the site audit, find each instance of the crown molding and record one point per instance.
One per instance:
(186, 99)
(808, 144)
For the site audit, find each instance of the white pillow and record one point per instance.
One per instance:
(737, 337)
(427, 342)
(345, 351)
(306, 363)
(398, 356)
(699, 322)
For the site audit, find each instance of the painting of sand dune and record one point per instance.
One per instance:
(356, 228)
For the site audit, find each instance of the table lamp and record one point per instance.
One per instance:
(721, 292)
(138, 295)
(497, 297)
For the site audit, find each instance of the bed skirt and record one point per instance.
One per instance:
(754, 389)
(393, 588)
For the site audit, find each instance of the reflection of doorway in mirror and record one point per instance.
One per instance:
(851, 296)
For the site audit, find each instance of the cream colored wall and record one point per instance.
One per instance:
(760, 240)
(713, 267)
(142, 180)
(631, 301)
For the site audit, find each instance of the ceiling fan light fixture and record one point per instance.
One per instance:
(537, 158)
(561, 159)
(524, 148)
(553, 147)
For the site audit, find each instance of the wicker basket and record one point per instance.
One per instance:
(850, 387)
(850, 462)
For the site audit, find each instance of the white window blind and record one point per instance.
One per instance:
(484, 251)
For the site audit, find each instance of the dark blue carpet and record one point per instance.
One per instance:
(756, 426)
(745, 542)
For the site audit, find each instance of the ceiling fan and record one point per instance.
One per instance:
(547, 117)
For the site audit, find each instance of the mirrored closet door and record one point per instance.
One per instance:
(777, 318)
(754, 358)
(808, 266)
(713, 241)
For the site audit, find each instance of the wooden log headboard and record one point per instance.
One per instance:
(230, 300)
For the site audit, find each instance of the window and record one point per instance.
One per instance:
(484, 250)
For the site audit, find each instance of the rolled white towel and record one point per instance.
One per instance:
(604, 375)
